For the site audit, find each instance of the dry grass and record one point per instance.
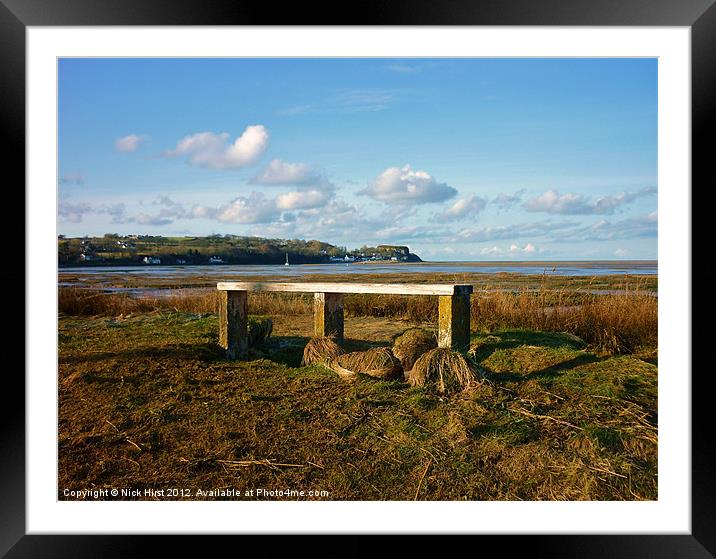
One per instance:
(619, 323)
(378, 362)
(320, 349)
(443, 369)
(623, 322)
(418, 308)
(410, 345)
(75, 301)
(150, 402)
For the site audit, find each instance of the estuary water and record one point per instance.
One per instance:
(581, 268)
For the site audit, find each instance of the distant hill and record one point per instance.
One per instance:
(112, 249)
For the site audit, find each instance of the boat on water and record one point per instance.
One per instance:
(287, 264)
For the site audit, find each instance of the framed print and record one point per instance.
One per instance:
(403, 274)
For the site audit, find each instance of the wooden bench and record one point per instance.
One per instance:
(453, 320)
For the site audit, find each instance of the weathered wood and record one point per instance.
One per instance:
(233, 323)
(454, 322)
(328, 315)
(375, 288)
(454, 309)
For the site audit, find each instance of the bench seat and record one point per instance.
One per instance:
(453, 308)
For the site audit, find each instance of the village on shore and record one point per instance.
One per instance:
(113, 249)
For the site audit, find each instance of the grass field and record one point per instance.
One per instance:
(148, 401)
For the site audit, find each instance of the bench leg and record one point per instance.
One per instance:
(233, 323)
(328, 315)
(454, 322)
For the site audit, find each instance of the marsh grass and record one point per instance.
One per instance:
(149, 401)
(622, 322)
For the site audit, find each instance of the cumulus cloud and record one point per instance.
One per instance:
(630, 228)
(170, 208)
(402, 185)
(527, 249)
(303, 199)
(492, 251)
(146, 219)
(282, 173)
(504, 201)
(258, 208)
(577, 204)
(513, 231)
(215, 151)
(117, 212)
(73, 212)
(254, 208)
(513, 250)
(128, 144)
(462, 209)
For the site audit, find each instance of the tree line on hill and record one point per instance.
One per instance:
(114, 249)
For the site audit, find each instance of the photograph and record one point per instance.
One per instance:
(357, 278)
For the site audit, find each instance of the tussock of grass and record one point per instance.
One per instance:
(377, 362)
(443, 369)
(320, 349)
(259, 329)
(410, 345)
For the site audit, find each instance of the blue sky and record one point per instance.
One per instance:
(461, 159)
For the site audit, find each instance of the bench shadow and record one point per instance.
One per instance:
(547, 372)
(204, 352)
(288, 350)
(285, 350)
(512, 339)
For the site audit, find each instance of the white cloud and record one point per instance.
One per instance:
(116, 211)
(492, 251)
(577, 204)
(254, 208)
(73, 212)
(303, 199)
(407, 232)
(214, 151)
(630, 228)
(513, 231)
(170, 208)
(402, 185)
(463, 208)
(621, 253)
(527, 249)
(145, 219)
(282, 173)
(504, 201)
(128, 144)
(513, 250)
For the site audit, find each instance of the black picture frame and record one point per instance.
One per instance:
(699, 15)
